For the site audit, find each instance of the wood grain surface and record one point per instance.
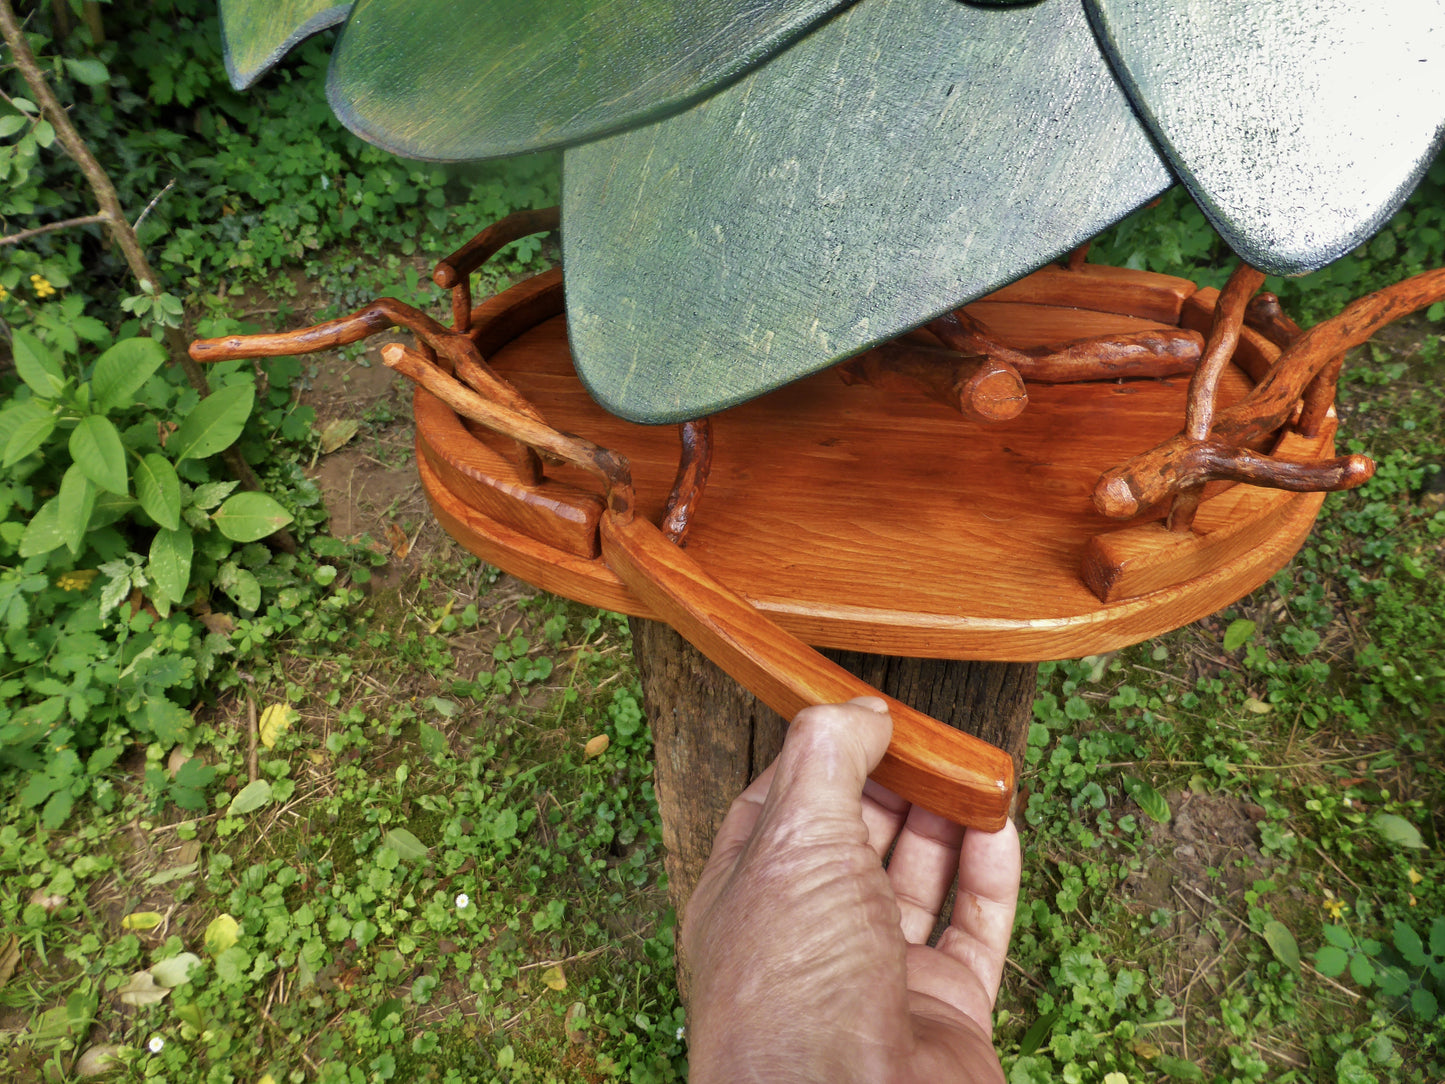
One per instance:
(885, 522)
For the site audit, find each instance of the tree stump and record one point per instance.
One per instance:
(712, 737)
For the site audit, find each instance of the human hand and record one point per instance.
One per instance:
(810, 960)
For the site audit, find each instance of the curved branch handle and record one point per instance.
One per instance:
(946, 771)
(454, 272)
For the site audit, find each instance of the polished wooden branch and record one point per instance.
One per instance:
(1146, 354)
(977, 387)
(454, 272)
(1180, 463)
(693, 464)
(460, 354)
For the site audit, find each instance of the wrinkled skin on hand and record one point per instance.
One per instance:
(810, 959)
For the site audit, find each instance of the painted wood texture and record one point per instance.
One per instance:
(885, 522)
(255, 34)
(1299, 126)
(903, 158)
(452, 81)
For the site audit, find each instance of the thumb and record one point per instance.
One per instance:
(827, 756)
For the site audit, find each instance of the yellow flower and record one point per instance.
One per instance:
(41, 285)
(4, 293)
(1414, 875)
(1335, 907)
(77, 580)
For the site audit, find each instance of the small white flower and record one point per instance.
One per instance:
(462, 900)
(680, 1033)
(156, 1045)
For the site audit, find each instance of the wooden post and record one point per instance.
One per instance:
(711, 736)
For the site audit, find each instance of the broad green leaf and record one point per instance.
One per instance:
(42, 533)
(240, 585)
(177, 970)
(10, 124)
(1238, 634)
(1154, 805)
(141, 920)
(96, 448)
(1411, 947)
(214, 423)
(159, 490)
(29, 425)
(36, 365)
(169, 566)
(87, 70)
(1361, 969)
(1424, 1003)
(74, 504)
(249, 517)
(169, 722)
(221, 934)
(438, 79)
(405, 844)
(250, 798)
(904, 158)
(1330, 960)
(123, 370)
(255, 34)
(1397, 830)
(1282, 943)
(210, 494)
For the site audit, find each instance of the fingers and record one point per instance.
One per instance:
(924, 866)
(826, 758)
(983, 911)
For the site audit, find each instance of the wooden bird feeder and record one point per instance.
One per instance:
(1009, 485)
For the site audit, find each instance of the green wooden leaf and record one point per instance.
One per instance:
(123, 370)
(159, 490)
(75, 503)
(439, 79)
(1299, 126)
(249, 517)
(169, 567)
(1282, 943)
(250, 798)
(36, 365)
(214, 423)
(255, 34)
(28, 426)
(96, 448)
(902, 159)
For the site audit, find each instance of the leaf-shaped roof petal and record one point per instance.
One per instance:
(447, 80)
(1299, 126)
(255, 34)
(902, 159)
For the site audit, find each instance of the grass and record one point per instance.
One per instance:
(434, 871)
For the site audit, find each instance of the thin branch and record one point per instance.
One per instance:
(151, 205)
(25, 235)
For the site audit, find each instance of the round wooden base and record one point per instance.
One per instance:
(881, 521)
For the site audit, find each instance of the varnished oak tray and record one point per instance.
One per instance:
(882, 521)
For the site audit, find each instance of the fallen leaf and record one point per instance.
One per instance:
(554, 979)
(250, 798)
(221, 934)
(220, 624)
(98, 1060)
(190, 852)
(175, 873)
(336, 433)
(275, 721)
(142, 990)
(141, 920)
(176, 970)
(49, 902)
(397, 539)
(575, 1022)
(595, 747)
(9, 959)
(1259, 707)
